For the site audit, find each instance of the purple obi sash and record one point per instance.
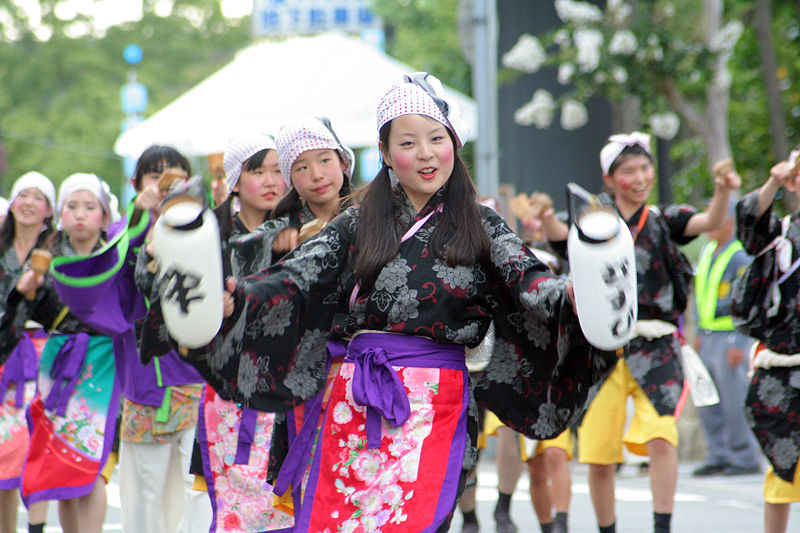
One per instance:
(65, 372)
(294, 463)
(376, 384)
(247, 430)
(21, 366)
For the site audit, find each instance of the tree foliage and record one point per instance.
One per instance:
(424, 35)
(60, 109)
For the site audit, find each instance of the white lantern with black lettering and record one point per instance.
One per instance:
(602, 268)
(190, 279)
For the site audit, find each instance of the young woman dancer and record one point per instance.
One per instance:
(159, 406)
(74, 413)
(28, 225)
(425, 270)
(234, 441)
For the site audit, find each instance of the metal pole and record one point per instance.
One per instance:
(484, 88)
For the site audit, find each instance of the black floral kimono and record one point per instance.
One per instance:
(773, 399)
(270, 355)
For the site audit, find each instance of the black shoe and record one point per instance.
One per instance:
(503, 523)
(710, 470)
(736, 470)
(470, 527)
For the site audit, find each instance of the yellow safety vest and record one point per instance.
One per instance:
(706, 285)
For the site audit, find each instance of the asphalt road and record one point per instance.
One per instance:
(709, 505)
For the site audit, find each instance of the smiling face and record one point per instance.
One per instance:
(261, 189)
(631, 181)
(421, 153)
(83, 217)
(31, 208)
(318, 176)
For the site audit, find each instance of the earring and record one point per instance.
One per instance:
(393, 176)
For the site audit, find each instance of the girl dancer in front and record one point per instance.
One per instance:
(425, 270)
(28, 225)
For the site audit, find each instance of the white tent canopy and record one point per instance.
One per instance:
(269, 84)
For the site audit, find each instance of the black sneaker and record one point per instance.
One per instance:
(503, 523)
(737, 470)
(470, 527)
(710, 470)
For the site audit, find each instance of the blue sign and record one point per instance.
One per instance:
(272, 17)
(134, 98)
(132, 54)
(130, 121)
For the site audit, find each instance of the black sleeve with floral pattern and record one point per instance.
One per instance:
(779, 331)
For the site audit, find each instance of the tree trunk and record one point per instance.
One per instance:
(769, 68)
(715, 127)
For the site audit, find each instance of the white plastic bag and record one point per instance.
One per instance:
(701, 386)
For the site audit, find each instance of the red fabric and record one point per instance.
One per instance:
(51, 463)
(330, 507)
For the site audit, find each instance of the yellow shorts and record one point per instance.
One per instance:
(108, 469)
(600, 436)
(565, 440)
(777, 490)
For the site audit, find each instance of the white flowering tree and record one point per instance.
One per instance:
(672, 54)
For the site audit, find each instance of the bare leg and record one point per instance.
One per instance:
(509, 468)
(37, 514)
(539, 489)
(68, 516)
(9, 500)
(93, 508)
(776, 517)
(663, 474)
(467, 501)
(560, 478)
(509, 464)
(601, 488)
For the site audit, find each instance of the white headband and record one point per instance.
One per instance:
(34, 180)
(617, 143)
(81, 181)
(421, 93)
(239, 150)
(3, 206)
(309, 133)
(113, 203)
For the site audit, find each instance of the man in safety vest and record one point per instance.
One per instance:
(730, 446)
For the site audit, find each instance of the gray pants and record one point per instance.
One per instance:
(728, 437)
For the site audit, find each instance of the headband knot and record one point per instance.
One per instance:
(617, 143)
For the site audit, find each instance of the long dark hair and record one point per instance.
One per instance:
(459, 237)
(8, 230)
(291, 203)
